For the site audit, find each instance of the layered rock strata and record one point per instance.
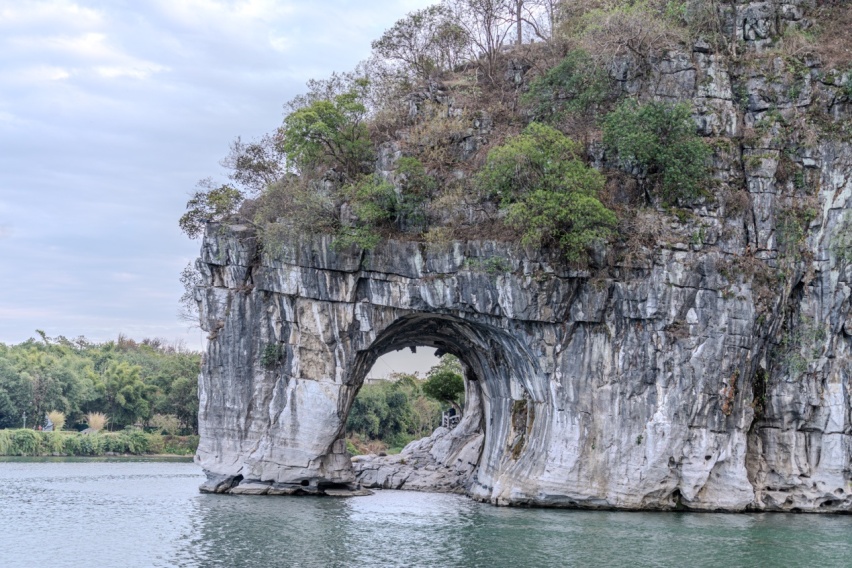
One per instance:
(707, 368)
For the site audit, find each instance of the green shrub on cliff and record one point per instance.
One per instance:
(576, 85)
(661, 140)
(209, 203)
(330, 132)
(374, 203)
(549, 193)
(416, 187)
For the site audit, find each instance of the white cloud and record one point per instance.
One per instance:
(15, 14)
(281, 43)
(91, 45)
(7, 312)
(84, 54)
(40, 73)
(139, 71)
(226, 16)
(125, 276)
(109, 113)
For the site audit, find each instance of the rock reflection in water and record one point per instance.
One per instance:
(399, 528)
(143, 514)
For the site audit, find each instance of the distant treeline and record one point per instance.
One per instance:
(133, 383)
(387, 415)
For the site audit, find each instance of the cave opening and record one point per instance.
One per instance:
(495, 370)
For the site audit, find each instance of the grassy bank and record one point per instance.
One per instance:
(134, 442)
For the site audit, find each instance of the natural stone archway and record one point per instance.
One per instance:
(629, 392)
(706, 364)
(286, 436)
(498, 371)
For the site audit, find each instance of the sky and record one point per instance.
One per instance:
(110, 113)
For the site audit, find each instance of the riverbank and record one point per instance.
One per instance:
(73, 444)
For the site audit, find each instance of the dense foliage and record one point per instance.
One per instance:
(393, 412)
(445, 382)
(375, 203)
(130, 382)
(660, 139)
(578, 84)
(330, 132)
(28, 442)
(550, 194)
(405, 408)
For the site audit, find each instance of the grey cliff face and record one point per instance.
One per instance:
(708, 371)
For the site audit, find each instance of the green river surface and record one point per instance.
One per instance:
(96, 513)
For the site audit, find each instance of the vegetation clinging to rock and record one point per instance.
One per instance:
(330, 132)
(400, 146)
(550, 194)
(660, 139)
(576, 85)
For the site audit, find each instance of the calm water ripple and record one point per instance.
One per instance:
(122, 513)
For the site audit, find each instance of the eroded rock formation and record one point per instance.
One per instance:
(711, 371)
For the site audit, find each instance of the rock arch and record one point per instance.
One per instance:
(498, 371)
(631, 391)
(491, 356)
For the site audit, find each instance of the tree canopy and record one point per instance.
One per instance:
(661, 138)
(393, 412)
(549, 193)
(445, 382)
(129, 381)
(425, 42)
(330, 132)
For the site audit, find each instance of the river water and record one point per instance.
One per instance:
(124, 513)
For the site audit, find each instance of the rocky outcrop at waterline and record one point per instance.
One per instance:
(654, 390)
(709, 369)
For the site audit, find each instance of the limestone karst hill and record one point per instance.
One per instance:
(635, 235)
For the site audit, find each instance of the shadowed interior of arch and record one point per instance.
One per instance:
(490, 364)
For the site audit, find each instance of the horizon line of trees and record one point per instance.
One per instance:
(132, 383)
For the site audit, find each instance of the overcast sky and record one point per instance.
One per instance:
(110, 112)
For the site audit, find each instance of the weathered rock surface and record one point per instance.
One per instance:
(712, 371)
(442, 462)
